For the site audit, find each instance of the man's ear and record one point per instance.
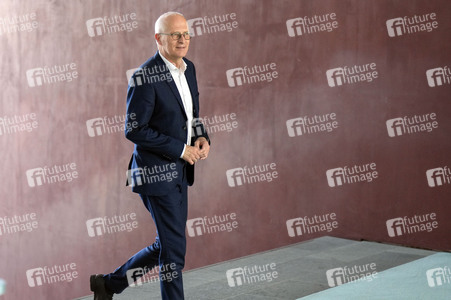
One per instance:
(157, 38)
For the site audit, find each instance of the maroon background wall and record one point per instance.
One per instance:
(305, 190)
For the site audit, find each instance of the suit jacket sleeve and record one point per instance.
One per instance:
(140, 106)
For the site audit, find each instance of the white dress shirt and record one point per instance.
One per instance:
(178, 74)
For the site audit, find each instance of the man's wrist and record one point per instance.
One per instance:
(204, 138)
(183, 152)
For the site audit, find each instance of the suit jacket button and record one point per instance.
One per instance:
(184, 127)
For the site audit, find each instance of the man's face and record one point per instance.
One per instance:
(173, 50)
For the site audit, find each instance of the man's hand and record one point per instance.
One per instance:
(192, 154)
(202, 144)
(198, 151)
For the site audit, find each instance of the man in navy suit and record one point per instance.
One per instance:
(162, 105)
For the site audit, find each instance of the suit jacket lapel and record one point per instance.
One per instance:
(171, 84)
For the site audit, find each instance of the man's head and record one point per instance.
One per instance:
(170, 47)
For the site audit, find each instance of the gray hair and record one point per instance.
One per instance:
(160, 24)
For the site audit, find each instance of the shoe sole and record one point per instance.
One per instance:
(92, 281)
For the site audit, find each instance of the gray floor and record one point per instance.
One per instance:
(296, 271)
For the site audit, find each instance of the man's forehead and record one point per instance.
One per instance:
(176, 23)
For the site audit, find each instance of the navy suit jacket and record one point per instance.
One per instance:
(156, 123)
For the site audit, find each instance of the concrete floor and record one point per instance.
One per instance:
(290, 272)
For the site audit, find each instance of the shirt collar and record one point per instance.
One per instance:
(172, 67)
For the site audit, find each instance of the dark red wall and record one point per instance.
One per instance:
(298, 204)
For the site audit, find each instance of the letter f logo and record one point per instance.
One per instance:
(235, 277)
(395, 127)
(95, 27)
(435, 177)
(335, 77)
(235, 77)
(335, 277)
(95, 127)
(435, 277)
(335, 177)
(435, 77)
(294, 227)
(135, 177)
(134, 277)
(35, 277)
(395, 227)
(235, 177)
(294, 26)
(95, 227)
(395, 27)
(295, 127)
(35, 177)
(35, 77)
(196, 26)
(195, 226)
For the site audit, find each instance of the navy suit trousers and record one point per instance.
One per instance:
(169, 213)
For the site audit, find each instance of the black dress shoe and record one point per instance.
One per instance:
(98, 287)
